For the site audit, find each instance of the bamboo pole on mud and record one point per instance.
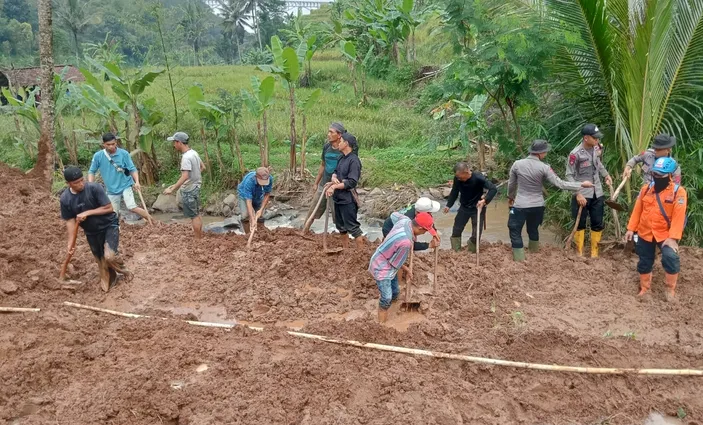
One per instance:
(18, 310)
(428, 353)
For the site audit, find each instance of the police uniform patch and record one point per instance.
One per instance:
(572, 159)
(680, 201)
(586, 164)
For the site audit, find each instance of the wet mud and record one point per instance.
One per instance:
(69, 366)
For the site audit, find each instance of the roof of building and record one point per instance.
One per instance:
(27, 77)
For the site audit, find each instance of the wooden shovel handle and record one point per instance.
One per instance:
(69, 254)
(614, 195)
(141, 198)
(573, 231)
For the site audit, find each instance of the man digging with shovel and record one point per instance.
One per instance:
(659, 218)
(87, 205)
(661, 148)
(254, 194)
(391, 255)
(423, 204)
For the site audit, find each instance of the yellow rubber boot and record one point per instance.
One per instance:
(595, 240)
(579, 239)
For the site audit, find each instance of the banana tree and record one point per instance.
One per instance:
(258, 102)
(304, 106)
(473, 124)
(215, 120)
(151, 117)
(232, 105)
(307, 40)
(287, 68)
(359, 65)
(195, 96)
(26, 109)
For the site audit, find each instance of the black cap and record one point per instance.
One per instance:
(109, 137)
(539, 146)
(349, 138)
(663, 141)
(591, 130)
(72, 173)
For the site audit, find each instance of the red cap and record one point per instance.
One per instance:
(425, 220)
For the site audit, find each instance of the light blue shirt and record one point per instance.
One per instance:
(115, 181)
(249, 188)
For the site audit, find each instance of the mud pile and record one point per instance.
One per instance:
(72, 366)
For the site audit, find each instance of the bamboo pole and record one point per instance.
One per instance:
(18, 310)
(428, 353)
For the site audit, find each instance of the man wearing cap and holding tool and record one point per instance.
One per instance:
(423, 204)
(86, 205)
(659, 218)
(470, 185)
(584, 165)
(661, 148)
(119, 175)
(190, 181)
(391, 255)
(330, 158)
(254, 194)
(343, 192)
(526, 197)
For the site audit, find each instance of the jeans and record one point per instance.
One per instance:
(647, 250)
(389, 292)
(462, 219)
(516, 221)
(595, 208)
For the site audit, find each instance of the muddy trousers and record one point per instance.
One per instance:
(346, 221)
(647, 251)
(516, 221)
(462, 219)
(595, 208)
(105, 249)
(389, 292)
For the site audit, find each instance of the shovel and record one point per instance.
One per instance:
(612, 203)
(324, 234)
(616, 221)
(69, 255)
(256, 221)
(408, 283)
(567, 242)
(478, 236)
(434, 281)
(151, 220)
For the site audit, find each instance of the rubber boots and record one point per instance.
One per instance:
(519, 254)
(645, 283)
(671, 286)
(579, 239)
(382, 315)
(471, 246)
(533, 246)
(595, 240)
(456, 243)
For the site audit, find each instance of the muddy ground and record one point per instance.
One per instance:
(69, 366)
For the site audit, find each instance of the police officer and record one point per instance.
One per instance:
(584, 164)
(659, 218)
(661, 147)
(526, 198)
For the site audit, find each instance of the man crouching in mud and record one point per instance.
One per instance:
(87, 205)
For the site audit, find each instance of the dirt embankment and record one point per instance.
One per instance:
(77, 367)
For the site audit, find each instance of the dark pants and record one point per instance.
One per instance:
(109, 238)
(345, 219)
(647, 250)
(462, 219)
(595, 208)
(516, 221)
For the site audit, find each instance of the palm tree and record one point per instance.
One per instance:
(235, 14)
(637, 65)
(194, 25)
(45, 157)
(76, 16)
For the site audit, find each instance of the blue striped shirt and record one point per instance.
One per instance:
(394, 250)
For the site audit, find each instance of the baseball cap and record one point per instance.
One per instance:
(425, 204)
(72, 173)
(425, 220)
(179, 137)
(108, 137)
(591, 130)
(263, 176)
(539, 146)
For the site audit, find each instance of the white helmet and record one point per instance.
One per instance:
(425, 204)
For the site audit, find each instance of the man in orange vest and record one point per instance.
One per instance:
(658, 219)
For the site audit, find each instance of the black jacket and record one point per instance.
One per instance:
(348, 171)
(471, 191)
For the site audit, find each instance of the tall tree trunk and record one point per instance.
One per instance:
(303, 145)
(266, 138)
(207, 155)
(518, 132)
(44, 166)
(168, 69)
(239, 47)
(240, 160)
(364, 98)
(293, 135)
(262, 149)
(78, 48)
(353, 75)
(196, 51)
(219, 151)
(255, 21)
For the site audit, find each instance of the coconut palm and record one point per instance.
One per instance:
(235, 14)
(194, 25)
(637, 65)
(75, 16)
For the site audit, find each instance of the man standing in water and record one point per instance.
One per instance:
(86, 205)
(190, 181)
(330, 157)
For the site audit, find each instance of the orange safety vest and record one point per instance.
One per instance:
(647, 218)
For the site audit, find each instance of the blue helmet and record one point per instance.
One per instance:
(664, 165)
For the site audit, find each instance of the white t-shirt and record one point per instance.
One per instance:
(191, 162)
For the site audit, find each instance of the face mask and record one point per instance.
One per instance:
(661, 183)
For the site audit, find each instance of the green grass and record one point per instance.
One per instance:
(395, 145)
